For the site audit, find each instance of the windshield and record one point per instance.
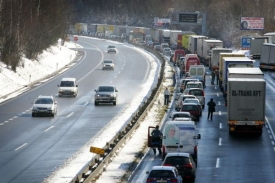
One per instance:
(106, 89)
(67, 84)
(44, 101)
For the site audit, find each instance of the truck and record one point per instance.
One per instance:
(229, 62)
(192, 47)
(215, 55)
(221, 56)
(271, 37)
(208, 45)
(267, 61)
(246, 105)
(183, 39)
(165, 36)
(174, 36)
(248, 72)
(177, 54)
(191, 59)
(256, 44)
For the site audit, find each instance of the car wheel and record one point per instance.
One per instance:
(96, 103)
(202, 106)
(33, 115)
(59, 95)
(114, 102)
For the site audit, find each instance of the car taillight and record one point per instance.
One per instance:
(174, 180)
(150, 180)
(167, 164)
(189, 165)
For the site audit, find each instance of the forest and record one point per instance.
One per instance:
(30, 26)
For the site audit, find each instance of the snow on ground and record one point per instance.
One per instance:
(55, 58)
(29, 71)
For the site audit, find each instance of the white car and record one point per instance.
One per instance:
(108, 64)
(68, 87)
(167, 51)
(111, 49)
(44, 105)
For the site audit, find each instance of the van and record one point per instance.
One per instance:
(197, 70)
(163, 45)
(68, 87)
(180, 136)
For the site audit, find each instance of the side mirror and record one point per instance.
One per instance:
(76, 85)
(95, 90)
(199, 136)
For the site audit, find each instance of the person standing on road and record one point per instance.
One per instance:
(217, 76)
(166, 96)
(156, 139)
(213, 77)
(211, 108)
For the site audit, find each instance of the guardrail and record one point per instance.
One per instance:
(95, 166)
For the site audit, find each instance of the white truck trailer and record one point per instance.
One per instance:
(246, 105)
(267, 61)
(215, 56)
(256, 44)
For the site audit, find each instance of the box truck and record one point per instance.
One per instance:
(246, 105)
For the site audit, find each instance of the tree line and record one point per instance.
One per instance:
(27, 27)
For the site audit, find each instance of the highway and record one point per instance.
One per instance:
(32, 148)
(223, 158)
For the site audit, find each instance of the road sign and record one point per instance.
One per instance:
(75, 38)
(246, 42)
(97, 150)
(188, 18)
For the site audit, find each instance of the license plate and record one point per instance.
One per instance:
(161, 180)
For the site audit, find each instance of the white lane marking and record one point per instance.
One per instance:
(269, 127)
(10, 119)
(1, 123)
(15, 117)
(6, 121)
(220, 141)
(20, 147)
(86, 103)
(48, 128)
(220, 113)
(218, 163)
(272, 142)
(219, 103)
(270, 136)
(70, 114)
(218, 95)
(220, 125)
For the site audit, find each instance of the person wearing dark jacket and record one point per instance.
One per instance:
(156, 139)
(211, 108)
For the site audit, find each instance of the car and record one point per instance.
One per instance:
(106, 94)
(194, 84)
(108, 64)
(68, 87)
(184, 82)
(168, 174)
(156, 47)
(44, 105)
(167, 51)
(111, 49)
(194, 100)
(193, 108)
(175, 115)
(178, 103)
(198, 92)
(184, 163)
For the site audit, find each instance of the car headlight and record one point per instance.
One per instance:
(34, 108)
(60, 90)
(112, 95)
(97, 95)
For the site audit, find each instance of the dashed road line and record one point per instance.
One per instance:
(218, 163)
(20, 146)
(48, 128)
(70, 114)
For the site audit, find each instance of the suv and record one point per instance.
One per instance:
(184, 164)
(111, 49)
(46, 105)
(108, 64)
(106, 94)
(194, 84)
(184, 82)
(163, 174)
(68, 87)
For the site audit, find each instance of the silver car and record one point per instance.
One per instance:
(44, 105)
(108, 64)
(106, 94)
(111, 49)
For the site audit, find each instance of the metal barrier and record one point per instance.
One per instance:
(95, 166)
